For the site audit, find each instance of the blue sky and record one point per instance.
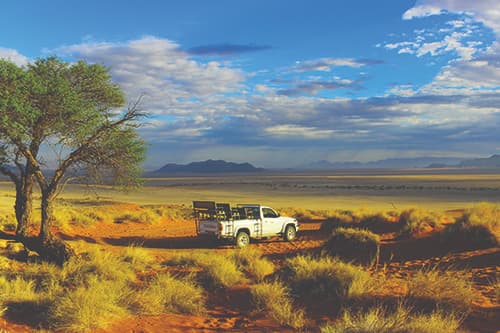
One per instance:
(281, 83)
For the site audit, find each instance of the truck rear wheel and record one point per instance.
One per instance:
(290, 233)
(242, 239)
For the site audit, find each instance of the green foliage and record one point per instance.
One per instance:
(413, 221)
(361, 246)
(273, 298)
(327, 278)
(168, 294)
(478, 228)
(449, 289)
(381, 320)
(250, 260)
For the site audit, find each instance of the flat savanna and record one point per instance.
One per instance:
(420, 247)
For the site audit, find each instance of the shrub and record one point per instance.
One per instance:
(451, 289)
(328, 278)
(90, 307)
(250, 260)
(168, 294)
(273, 298)
(361, 246)
(414, 221)
(381, 320)
(478, 228)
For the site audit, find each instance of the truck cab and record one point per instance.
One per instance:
(242, 223)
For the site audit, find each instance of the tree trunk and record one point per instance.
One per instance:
(47, 245)
(47, 216)
(24, 205)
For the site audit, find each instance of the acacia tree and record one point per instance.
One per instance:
(14, 90)
(73, 109)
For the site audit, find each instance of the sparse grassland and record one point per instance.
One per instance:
(287, 282)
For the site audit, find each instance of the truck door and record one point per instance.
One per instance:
(271, 222)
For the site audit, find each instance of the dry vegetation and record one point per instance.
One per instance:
(340, 279)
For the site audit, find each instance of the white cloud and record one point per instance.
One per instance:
(325, 64)
(171, 81)
(14, 56)
(422, 10)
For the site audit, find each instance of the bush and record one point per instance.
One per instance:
(381, 320)
(327, 278)
(414, 221)
(449, 289)
(273, 298)
(90, 307)
(478, 228)
(250, 261)
(168, 294)
(361, 246)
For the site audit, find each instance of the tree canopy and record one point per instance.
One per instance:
(71, 119)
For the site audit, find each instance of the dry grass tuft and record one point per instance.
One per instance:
(168, 294)
(273, 298)
(328, 278)
(449, 289)
(250, 260)
(357, 245)
(414, 221)
(381, 320)
(478, 228)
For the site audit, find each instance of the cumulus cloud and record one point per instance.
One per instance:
(14, 56)
(171, 81)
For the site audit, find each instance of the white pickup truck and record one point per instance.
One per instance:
(242, 222)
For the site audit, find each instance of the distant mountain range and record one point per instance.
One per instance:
(208, 166)
(418, 162)
(491, 162)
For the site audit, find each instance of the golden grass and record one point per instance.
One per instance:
(166, 293)
(218, 270)
(415, 220)
(93, 305)
(274, 299)
(250, 260)
(442, 289)
(328, 278)
(381, 320)
(356, 245)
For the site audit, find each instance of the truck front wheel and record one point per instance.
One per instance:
(290, 233)
(242, 239)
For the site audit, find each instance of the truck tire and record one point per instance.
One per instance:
(290, 233)
(242, 239)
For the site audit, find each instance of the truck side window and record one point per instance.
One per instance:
(269, 213)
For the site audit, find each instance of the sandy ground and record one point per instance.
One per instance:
(231, 311)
